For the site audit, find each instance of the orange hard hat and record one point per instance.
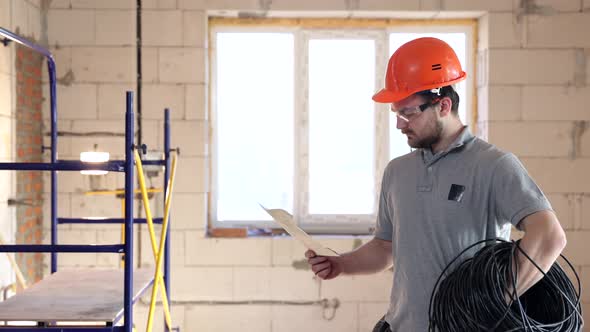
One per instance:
(418, 65)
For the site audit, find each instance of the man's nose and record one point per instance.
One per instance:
(401, 122)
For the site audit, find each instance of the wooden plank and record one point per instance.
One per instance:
(335, 22)
(84, 295)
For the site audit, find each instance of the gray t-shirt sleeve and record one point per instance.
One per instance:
(384, 226)
(514, 192)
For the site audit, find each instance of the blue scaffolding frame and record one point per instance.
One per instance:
(126, 166)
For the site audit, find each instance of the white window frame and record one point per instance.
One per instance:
(212, 203)
(333, 224)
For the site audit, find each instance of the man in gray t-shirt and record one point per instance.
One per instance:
(450, 192)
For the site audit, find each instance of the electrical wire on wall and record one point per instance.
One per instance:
(139, 82)
(473, 297)
(328, 306)
(139, 71)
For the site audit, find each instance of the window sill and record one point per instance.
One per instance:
(239, 232)
(244, 232)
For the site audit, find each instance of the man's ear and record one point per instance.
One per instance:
(446, 105)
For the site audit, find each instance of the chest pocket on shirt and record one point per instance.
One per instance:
(456, 192)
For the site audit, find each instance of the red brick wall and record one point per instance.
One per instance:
(29, 139)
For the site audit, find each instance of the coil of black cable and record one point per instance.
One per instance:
(473, 296)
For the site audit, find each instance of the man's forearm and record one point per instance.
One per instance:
(543, 242)
(372, 257)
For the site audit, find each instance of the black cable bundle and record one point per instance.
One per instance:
(471, 298)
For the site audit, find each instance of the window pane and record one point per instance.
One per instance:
(254, 118)
(397, 141)
(341, 126)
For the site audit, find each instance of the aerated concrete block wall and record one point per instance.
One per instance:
(533, 76)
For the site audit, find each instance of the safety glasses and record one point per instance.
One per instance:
(409, 113)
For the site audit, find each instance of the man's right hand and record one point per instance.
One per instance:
(324, 267)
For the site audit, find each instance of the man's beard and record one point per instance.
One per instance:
(434, 137)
